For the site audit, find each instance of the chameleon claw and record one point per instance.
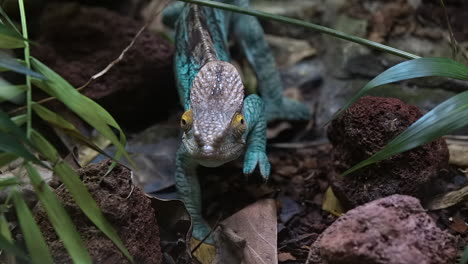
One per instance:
(252, 158)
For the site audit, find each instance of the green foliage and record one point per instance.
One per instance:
(84, 107)
(6, 241)
(9, 38)
(35, 242)
(59, 218)
(443, 119)
(78, 191)
(12, 64)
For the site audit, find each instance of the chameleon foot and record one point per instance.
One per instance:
(201, 231)
(252, 158)
(289, 109)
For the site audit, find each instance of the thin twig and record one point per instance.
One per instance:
(453, 41)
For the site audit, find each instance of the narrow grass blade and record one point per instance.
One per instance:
(67, 127)
(19, 120)
(8, 92)
(464, 258)
(59, 218)
(308, 25)
(9, 144)
(12, 64)
(11, 248)
(12, 139)
(7, 182)
(35, 242)
(9, 38)
(423, 67)
(86, 202)
(79, 192)
(443, 119)
(84, 107)
(9, 127)
(5, 232)
(6, 158)
(7, 18)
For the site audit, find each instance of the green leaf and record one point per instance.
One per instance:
(12, 64)
(78, 191)
(7, 182)
(464, 258)
(6, 158)
(9, 38)
(8, 92)
(59, 218)
(19, 120)
(60, 123)
(12, 139)
(9, 144)
(84, 107)
(11, 248)
(7, 18)
(86, 202)
(5, 231)
(443, 119)
(8, 126)
(422, 67)
(35, 243)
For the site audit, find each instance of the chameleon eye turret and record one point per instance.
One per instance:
(186, 120)
(238, 124)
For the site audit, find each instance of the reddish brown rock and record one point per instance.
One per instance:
(364, 129)
(79, 42)
(391, 230)
(125, 206)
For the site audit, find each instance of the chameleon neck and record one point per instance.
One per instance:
(200, 40)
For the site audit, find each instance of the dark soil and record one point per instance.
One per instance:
(125, 206)
(79, 42)
(364, 129)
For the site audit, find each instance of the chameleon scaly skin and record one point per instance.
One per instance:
(219, 122)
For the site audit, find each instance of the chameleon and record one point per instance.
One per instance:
(220, 121)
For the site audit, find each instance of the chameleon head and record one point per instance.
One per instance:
(214, 127)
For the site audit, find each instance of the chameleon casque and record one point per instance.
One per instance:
(220, 122)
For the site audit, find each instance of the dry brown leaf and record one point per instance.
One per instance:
(249, 236)
(331, 204)
(285, 256)
(458, 149)
(458, 225)
(448, 199)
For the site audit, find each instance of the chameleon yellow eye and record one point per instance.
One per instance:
(186, 120)
(239, 124)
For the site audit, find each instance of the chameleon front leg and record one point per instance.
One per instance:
(188, 189)
(256, 137)
(250, 35)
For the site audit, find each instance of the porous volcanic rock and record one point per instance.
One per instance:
(392, 230)
(364, 129)
(125, 206)
(78, 42)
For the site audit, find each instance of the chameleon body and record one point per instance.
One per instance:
(220, 122)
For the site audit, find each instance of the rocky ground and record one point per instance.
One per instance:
(306, 158)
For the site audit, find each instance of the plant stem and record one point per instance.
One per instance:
(292, 21)
(24, 28)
